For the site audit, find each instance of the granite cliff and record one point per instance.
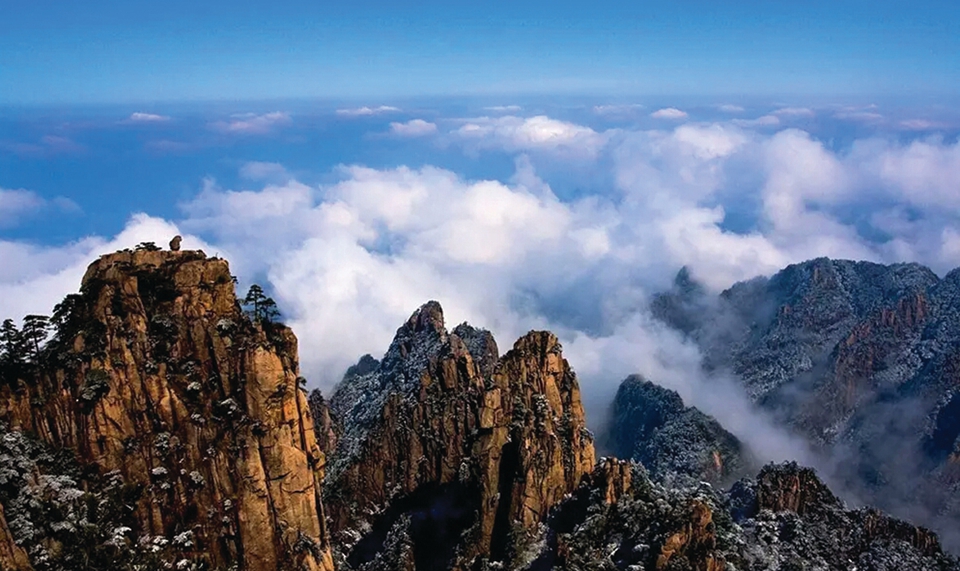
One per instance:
(157, 377)
(651, 425)
(861, 358)
(459, 451)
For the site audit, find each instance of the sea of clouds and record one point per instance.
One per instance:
(349, 260)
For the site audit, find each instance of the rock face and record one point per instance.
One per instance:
(788, 514)
(457, 451)
(785, 519)
(157, 376)
(863, 359)
(12, 556)
(650, 424)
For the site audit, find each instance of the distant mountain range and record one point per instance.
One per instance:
(862, 359)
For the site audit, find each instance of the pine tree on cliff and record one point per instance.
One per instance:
(35, 330)
(66, 316)
(12, 351)
(262, 309)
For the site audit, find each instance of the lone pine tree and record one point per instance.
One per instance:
(260, 307)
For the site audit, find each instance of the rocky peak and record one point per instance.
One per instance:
(862, 359)
(682, 306)
(157, 375)
(651, 425)
(366, 364)
(444, 425)
(429, 317)
(792, 488)
(785, 519)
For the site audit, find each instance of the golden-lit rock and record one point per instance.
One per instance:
(166, 380)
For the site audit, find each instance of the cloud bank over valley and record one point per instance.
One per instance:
(349, 253)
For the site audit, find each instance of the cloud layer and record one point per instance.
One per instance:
(349, 260)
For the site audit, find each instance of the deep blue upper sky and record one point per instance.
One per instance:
(121, 51)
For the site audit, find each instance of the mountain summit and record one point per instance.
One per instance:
(157, 377)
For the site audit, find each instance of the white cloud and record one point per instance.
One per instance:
(14, 204)
(620, 109)
(256, 170)
(529, 134)
(367, 111)
(795, 112)
(763, 121)
(413, 128)
(667, 170)
(139, 117)
(350, 266)
(920, 125)
(252, 124)
(504, 108)
(924, 173)
(18, 204)
(859, 116)
(669, 113)
(731, 108)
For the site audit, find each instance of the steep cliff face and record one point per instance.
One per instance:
(862, 358)
(156, 375)
(785, 519)
(458, 451)
(788, 515)
(651, 425)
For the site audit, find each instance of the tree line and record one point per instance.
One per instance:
(22, 347)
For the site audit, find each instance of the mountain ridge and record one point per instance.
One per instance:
(163, 428)
(861, 358)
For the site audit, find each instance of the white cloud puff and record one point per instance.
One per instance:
(413, 128)
(762, 121)
(859, 116)
(367, 111)
(669, 113)
(18, 204)
(920, 125)
(529, 134)
(140, 117)
(795, 112)
(504, 108)
(257, 170)
(252, 124)
(617, 109)
(14, 204)
(728, 108)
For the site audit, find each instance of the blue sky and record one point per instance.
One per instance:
(116, 51)
(529, 165)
